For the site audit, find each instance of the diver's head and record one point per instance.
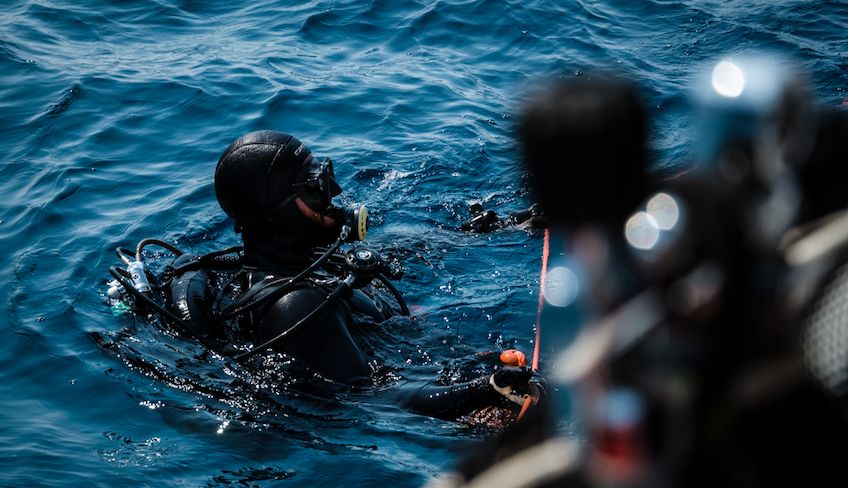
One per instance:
(269, 183)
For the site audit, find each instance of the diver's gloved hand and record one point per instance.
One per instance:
(487, 220)
(482, 220)
(518, 383)
(532, 218)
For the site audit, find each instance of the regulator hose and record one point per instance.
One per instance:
(157, 242)
(404, 309)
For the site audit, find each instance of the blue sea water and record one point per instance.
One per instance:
(113, 115)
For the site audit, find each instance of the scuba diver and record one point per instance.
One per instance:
(291, 289)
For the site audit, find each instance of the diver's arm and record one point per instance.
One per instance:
(488, 220)
(450, 402)
(447, 402)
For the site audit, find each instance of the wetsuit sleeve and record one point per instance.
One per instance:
(448, 402)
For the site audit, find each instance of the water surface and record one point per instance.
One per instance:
(113, 114)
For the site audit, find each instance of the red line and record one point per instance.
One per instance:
(546, 249)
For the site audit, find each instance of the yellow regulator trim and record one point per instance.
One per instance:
(362, 223)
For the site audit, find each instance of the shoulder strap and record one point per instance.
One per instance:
(257, 294)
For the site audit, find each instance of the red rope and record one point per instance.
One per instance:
(546, 249)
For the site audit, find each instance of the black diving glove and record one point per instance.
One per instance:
(517, 383)
(481, 220)
(532, 218)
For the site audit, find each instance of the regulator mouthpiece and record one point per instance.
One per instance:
(354, 218)
(359, 219)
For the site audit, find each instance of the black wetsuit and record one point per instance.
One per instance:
(326, 343)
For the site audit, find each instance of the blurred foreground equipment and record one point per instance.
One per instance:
(715, 350)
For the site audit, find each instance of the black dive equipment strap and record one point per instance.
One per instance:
(277, 287)
(361, 266)
(291, 332)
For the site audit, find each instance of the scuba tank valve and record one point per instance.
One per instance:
(116, 292)
(139, 277)
(118, 299)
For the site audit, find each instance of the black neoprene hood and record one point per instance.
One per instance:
(255, 173)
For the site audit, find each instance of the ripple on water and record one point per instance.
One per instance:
(113, 118)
